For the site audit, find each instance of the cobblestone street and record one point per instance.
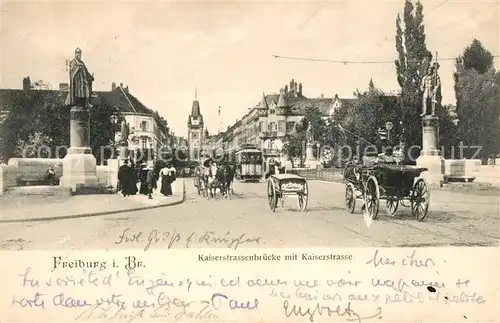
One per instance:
(245, 220)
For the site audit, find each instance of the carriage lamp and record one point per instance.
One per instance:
(388, 126)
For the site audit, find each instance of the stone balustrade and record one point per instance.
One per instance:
(28, 171)
(470, 168)
(467, 169)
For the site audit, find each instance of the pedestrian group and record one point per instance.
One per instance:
(148, 177)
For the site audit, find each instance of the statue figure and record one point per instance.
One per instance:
(300, 88)
(80, 82)
(124, 132)
(309, 134)
(431, 84)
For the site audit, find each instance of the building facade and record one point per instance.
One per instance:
(196, 132)
(267, 124)
(149, 132)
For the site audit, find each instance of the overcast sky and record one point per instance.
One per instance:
(162, 51)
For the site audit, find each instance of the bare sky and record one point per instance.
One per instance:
(163, 50)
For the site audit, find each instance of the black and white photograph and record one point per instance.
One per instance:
(342, 124)
(250, 161)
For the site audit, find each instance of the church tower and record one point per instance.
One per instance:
(195, 130)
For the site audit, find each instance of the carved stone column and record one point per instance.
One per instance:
(430, 155)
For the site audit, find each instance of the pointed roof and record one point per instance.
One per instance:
(195, 110)
(281, 101)
(263, 102)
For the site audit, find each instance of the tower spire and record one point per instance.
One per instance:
(196, 92)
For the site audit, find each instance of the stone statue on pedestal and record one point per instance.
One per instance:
(124, 133)
(80, 82)
(430, 156)
(431, 84)
(79, 164)
(309, 134)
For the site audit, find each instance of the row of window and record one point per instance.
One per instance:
(279, 126)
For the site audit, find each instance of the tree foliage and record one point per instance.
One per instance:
(294, 146)
(37, 145)
(477, 90)
(413, 61)
(42, 114)
(477, 57)
(361, 118)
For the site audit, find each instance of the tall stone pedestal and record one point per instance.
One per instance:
(310, 162)
(430, 155)
(79, 164)
(123, 152)
(309, 152)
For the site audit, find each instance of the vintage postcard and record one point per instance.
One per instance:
(250, 161)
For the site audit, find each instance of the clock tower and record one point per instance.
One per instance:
(195, 131)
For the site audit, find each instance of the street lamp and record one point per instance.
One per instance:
(388, 126)
(114, 120)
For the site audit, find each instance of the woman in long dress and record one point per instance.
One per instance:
(166, 181)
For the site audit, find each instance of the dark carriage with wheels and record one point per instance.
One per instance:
(280, 186)
(396, 184)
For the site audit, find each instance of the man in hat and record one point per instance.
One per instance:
(143, 177)
(80, 82)
(151, 181)
(124, 179)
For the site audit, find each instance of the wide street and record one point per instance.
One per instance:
(454, 218)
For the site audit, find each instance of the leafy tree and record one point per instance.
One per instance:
(42, 114)
(361, 118)
(413, 61)
(477, 57)
(102, 130)
(294, 146)
(477, 90)
(18, 125)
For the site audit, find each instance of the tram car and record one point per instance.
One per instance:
(248, 162)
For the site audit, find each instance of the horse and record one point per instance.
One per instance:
(228, 178)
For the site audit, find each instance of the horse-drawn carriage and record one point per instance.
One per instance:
(394, 183)
(280, 186)
(207, 180)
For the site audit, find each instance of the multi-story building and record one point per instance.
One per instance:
(267, 124)
(149, 133)
(196, 133)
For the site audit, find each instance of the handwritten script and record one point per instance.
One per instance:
(370, 289)
(176, 239)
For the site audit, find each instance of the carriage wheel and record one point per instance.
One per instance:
(348, 169)
(303, 198)
(392, 204)
(350, 199)
(372, 197)
(420, 199)
(271, 195)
